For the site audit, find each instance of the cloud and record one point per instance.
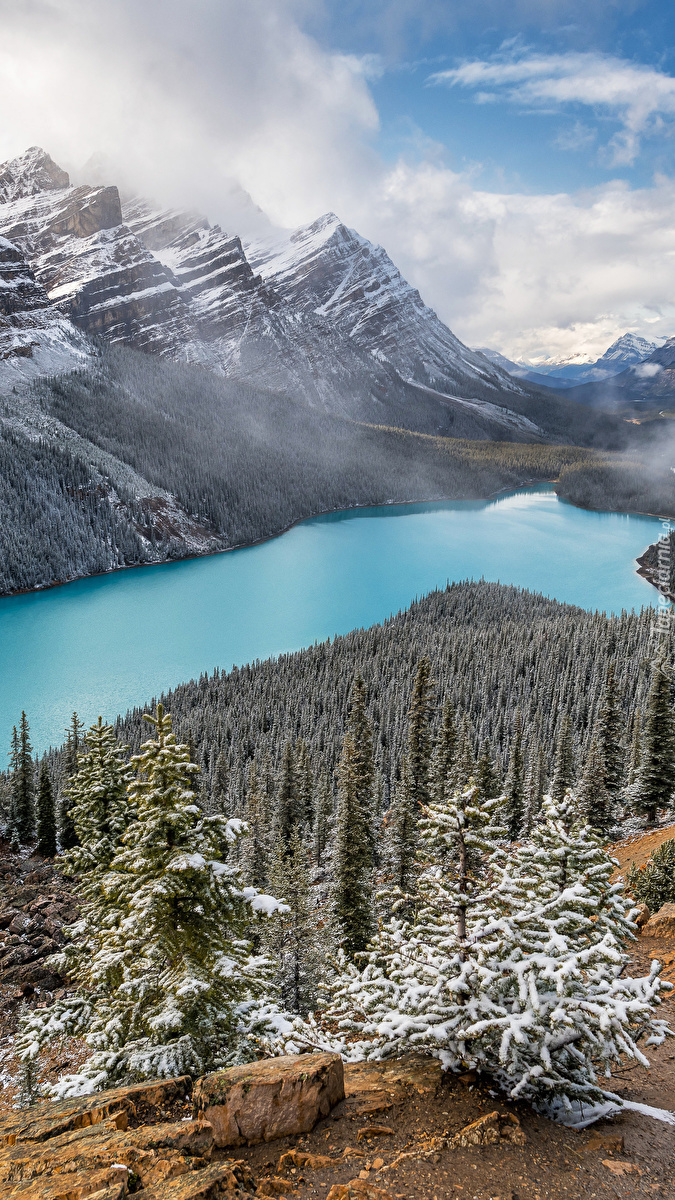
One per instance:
(639, 97)
(182, 99)
(532, 275)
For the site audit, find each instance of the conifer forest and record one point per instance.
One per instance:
(393, 840)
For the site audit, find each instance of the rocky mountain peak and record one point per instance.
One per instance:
(32, 172)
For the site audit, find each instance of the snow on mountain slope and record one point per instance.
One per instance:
(323, 315)
(328, 269)
(522, 370)
(29, 324)
(93, 269)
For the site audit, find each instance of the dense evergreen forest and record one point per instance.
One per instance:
(646, 485)
(364, 831)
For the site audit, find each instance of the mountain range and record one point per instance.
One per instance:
(320, 314)
(627, 351)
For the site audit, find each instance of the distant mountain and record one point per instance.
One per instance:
(523, 370)
(626, 351)
(650, 383)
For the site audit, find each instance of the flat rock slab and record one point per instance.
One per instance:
(220, 1179)
(154, 1153)
(79, 1186)
(261, 1101)
(374, 1087)
(662, 924)
(49, 1119)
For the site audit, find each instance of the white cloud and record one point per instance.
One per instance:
(639, 97)
(183, 98)
(532, 275)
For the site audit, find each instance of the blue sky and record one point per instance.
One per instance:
(515, 157)
(514, 141)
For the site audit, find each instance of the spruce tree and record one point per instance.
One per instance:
(423, 976)
(220, 785)
(562, 1011)
(12, 830)
(465, 763)
(487, 775)
(255, 845)
(534, 787)
(323, 818)
(46, 814)
(66, 828)
(402, 839)
(167, 977)
(23, 785)
(594, 799)
(443, 760)
(362, 765)
(353, 861)
(656, 781)
(292, 937)
(98, 805)
(287, 809)
(563, 770)
(419, 733)
(514, 785)
(609, 731)
(634, 758)
(305, 785)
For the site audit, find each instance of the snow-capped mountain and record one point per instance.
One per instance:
(330, 270)
(320, 314)
(568, 372)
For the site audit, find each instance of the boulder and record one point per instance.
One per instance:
(642, 915)
(261, 1101)
(662, 924)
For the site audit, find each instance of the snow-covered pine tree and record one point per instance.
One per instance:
(98, 805)
(634, 757)
(487, 775)
(46, 814)
(23, 785)
(419, 733)
(465, 763)
(353, 858)
(362, 763)
(595, 802)
(422, 979)
(562, 1012)
(255, 845)
(291, 937)
(323, 817)
(610, 731)
(287, 808)
(514, 784)
(534, 787)
(401, 836)
(220, 783)
(66, 827)
(563, 769)
(163, 988)
(305, 785)
(655, 783)
(443, 758)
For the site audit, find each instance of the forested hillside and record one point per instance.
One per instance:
(149, 461)
(499, 656)
(385, 831)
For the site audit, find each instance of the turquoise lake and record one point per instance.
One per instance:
(105, 644)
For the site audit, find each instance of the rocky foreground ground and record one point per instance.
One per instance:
(402, 1129)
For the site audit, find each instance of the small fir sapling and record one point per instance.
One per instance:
(165, 978)
(654, 883)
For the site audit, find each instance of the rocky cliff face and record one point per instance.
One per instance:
(323, 316)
